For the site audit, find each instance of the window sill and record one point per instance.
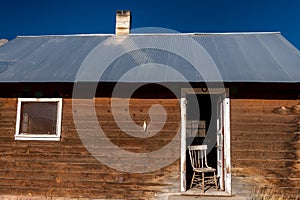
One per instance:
(33, 137)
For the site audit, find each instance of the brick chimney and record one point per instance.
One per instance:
(123, 22)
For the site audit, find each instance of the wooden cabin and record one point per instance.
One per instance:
(111, 116)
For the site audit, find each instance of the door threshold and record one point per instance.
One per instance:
(208, 192)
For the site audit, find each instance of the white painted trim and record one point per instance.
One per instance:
(183, 145)
(18, 120)
(220, 140)
(20, 136)
(227, 157)
(33, 137)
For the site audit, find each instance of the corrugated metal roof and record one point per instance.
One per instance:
(231, 57)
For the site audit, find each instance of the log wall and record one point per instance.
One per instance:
(66, 168)
(265, 145)
(264, 149)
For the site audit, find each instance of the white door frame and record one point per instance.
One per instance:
(226, 109)
(220, 140)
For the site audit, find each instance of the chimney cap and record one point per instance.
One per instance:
(123, 12)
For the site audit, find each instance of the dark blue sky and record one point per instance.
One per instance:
(44, 17)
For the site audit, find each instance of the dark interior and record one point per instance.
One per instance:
(202, 107)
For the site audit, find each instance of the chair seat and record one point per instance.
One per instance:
(209, 169)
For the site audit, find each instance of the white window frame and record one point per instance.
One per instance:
(56, 137)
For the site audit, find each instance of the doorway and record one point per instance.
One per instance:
(205, 120)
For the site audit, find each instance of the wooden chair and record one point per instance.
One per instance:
(200, 167)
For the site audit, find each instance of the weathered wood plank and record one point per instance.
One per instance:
(277, 155)
(264, 102)
(243, 136)
(67, 168)
(239, 117)
(264, 127)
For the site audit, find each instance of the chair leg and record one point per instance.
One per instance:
(215, 179)
(192, 180)
(202, 182)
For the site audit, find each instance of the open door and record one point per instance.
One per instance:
(219, 125)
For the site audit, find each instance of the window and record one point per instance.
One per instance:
(38, 119)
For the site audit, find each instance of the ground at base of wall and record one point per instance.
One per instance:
(205, 198)
(13, 197)
(175, 197)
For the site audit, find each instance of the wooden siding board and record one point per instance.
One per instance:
(265, 136)
(66, 168)
(258, 134)
(278, 155)
(265, 143)
(268, 119)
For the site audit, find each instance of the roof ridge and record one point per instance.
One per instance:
(64, 35)
(240, 33)
(151, 34)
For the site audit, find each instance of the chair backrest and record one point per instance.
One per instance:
(198, 156)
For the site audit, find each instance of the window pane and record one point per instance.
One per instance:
(38, 118)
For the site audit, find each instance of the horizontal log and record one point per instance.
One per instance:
(89, 177)
(8, 103)
(128, 125)
(276, 155)
(262, 146)
(139, 109)
(75, 158)
(239, 136)
(251, 171)
(82, 185)
(262, 118)
(264, 127)
(287, 153)
(68, 116)
(163, 134)
(265, 102)
(264, 163)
